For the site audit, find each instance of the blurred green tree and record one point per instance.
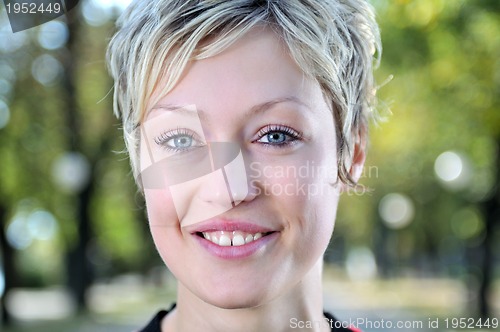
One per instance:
(444, 56)
(57, 153)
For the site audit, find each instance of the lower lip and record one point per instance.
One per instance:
(236, 252)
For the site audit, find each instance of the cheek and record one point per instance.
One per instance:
(301, 181)
(164, 226)
(307, 202)
(304, 192)
(160, 208)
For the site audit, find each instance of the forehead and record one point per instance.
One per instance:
(255, 69)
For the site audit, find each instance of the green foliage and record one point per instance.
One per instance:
(444, 56)
(38, 134)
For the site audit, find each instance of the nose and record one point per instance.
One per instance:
(201, 198)
(234, 184)
(212, 194)
(214, 190)
(238, 181)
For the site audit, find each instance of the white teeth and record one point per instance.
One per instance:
(249, 238)
(214, 238)
(234, 238)
(224, 241)
(238, 240)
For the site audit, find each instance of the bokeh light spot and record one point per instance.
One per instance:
(452, 170)
(53, 35)
(467, 223)
(42, 225)
(17, 233)
(10, 42)
(4, 114)
(46, 69)
(396, 210)
(448, 166)
(360, 264)
(71, 172)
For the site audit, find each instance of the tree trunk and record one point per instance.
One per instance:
(492, 217)
(8, 267)
(78, 265)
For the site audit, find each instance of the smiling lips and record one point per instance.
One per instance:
(230, 233)
(232, 238)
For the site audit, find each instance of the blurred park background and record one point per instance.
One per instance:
(75, 250)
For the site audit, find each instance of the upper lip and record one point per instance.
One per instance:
(227, 225)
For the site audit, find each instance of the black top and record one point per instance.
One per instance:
(155, 324)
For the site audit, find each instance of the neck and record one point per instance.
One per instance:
(301, 304)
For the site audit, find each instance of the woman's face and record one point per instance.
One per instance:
(241, 235)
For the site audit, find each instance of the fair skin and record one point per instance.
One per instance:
(281, 279)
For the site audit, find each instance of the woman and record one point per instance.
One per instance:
(244, 120)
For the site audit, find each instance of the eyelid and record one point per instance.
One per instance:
(279, 128)
(167, 135)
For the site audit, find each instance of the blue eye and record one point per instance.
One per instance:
(275, 137)
(178, 140)
(278, 135)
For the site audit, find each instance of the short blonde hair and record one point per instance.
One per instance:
(335, 42)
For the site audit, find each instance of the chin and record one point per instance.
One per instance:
(231, 296)
(231, 301)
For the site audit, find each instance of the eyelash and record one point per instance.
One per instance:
(290, 132)
(168, 135)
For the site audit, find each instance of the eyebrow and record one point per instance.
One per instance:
(257, 109)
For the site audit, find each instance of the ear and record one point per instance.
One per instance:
(359, 153)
